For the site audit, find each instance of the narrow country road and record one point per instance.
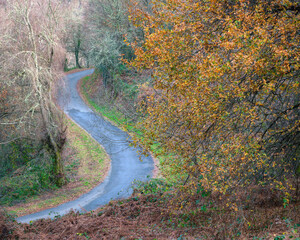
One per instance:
(125, 164)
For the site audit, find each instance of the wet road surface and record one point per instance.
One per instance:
(125, 164)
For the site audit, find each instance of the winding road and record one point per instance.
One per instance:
(125, 164)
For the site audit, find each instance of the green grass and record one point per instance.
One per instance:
(110, 113)
(118, 118)
(87, 149)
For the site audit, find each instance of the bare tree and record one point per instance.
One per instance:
(75, 34)
(107, 24)
(31, 57)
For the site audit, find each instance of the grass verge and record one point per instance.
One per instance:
(111, 114)
(114, 116)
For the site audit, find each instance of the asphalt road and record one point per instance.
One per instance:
(125, 164)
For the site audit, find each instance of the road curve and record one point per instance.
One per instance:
(125, 164)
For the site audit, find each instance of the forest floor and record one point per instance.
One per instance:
(150, 216)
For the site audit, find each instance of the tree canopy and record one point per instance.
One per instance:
(226, 81)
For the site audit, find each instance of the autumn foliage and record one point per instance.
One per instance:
(226, 81)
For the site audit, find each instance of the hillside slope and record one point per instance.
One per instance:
(148, 216)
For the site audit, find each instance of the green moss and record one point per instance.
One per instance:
(33, 178)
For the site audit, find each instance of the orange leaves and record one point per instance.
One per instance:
(225, 76)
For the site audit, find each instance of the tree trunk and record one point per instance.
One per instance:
(77, 49)
(66, 65)
(58, 170)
